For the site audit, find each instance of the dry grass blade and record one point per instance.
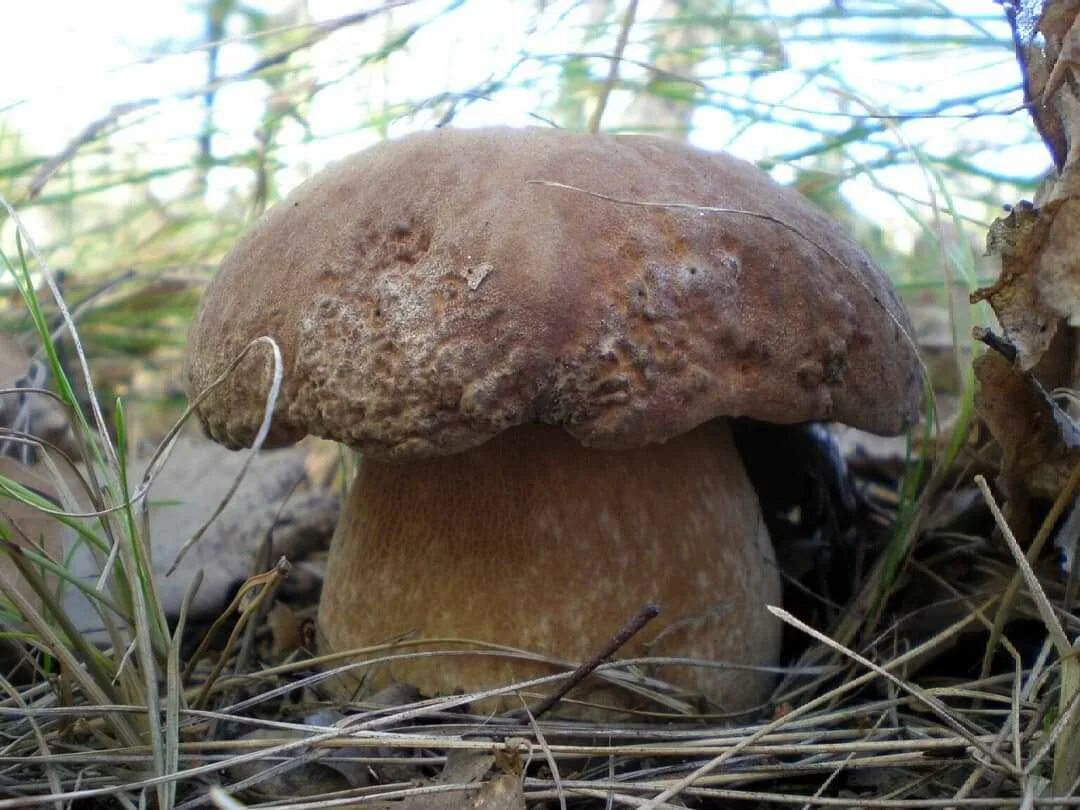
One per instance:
(1065, 721)
(223, 800)
(260, 437)
(847, 761)
(597, 790)
(1061, 503)
(556, 778)
(245, 604)
(1019, 692)
(39, 736)
(174, 692)
(86, 651)
(929, 700)
(804, 710)
(1067, 751)
(100, 692)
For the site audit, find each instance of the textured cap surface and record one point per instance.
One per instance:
(428, 293)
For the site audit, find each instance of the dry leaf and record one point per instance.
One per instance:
(1060, 28)
(504, 792)
(1030, 324)
(1040, 247)
(285, 633)
(1037, 296)
(1039, 442)
(461, 768)
(1057, 276)
(396, 694)
(1046, 48)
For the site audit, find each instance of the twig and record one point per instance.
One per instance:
(640, 619)
(652, 67)
(1001, 345)
(88, 134)
(613, 69)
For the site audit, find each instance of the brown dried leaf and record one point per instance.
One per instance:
(1060, 30)
(501, 792)
(1057, 19)
(1029, 323)
(1039, 442)
(285, 633)
(1058, 274)
(1047, 37)
(461, 768)
(504, 792)
(1043, 33)
(1037, 296)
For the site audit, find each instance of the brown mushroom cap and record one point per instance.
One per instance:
(429, 293)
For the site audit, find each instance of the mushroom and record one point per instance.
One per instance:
(533, 338)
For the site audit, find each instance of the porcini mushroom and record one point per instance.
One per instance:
(532, 337)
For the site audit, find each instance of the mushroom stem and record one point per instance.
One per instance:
(536, 542)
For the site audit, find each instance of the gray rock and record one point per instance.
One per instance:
(273, 500)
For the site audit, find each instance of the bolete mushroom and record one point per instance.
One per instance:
(532, 337)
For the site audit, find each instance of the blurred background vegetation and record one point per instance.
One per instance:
(137, 143)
